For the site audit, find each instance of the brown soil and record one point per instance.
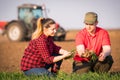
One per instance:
(11, 52)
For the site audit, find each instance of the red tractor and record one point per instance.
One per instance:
(22, 29)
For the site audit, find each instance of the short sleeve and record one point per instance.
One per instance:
(79, 39)
(106, 39)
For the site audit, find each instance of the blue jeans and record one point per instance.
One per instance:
(38, 72)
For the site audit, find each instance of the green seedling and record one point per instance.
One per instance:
(93, 57)
(72, 54)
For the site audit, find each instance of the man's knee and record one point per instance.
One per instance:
(79, 67)
(109, 60)
(104, 66)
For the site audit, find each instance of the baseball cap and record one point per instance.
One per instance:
(90, 18)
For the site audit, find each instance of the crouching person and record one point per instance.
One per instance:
(41, 53)
(96, 39)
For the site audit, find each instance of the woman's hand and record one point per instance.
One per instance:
(67, 54)
(63, 56)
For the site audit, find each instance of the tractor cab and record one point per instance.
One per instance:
(27, 12)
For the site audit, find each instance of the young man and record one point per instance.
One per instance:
(95, 39)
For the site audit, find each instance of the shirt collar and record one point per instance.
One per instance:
(43, 36)
(88, 34)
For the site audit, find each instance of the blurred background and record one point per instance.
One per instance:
(69, 13)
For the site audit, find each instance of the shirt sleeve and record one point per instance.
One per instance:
(106, 39)
(55, 47)
(79, 39)
(44, 52)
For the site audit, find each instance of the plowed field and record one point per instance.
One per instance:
(11, 52)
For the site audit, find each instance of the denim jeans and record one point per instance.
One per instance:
(38, 72)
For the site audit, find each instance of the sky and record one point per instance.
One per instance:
(69, 13)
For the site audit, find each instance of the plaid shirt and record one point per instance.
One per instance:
(38, 53)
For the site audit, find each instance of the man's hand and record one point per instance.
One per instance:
(87, 54)
(101, 57)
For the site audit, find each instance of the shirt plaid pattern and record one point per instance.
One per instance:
(38, 53)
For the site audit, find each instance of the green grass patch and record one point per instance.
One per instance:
(60, 76)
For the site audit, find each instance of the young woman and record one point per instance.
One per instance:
(42, 53)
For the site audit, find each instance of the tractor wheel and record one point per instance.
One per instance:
(60, 34)
(16, 31)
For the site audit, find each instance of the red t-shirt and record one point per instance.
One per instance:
(38, 53)
(94, 43)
